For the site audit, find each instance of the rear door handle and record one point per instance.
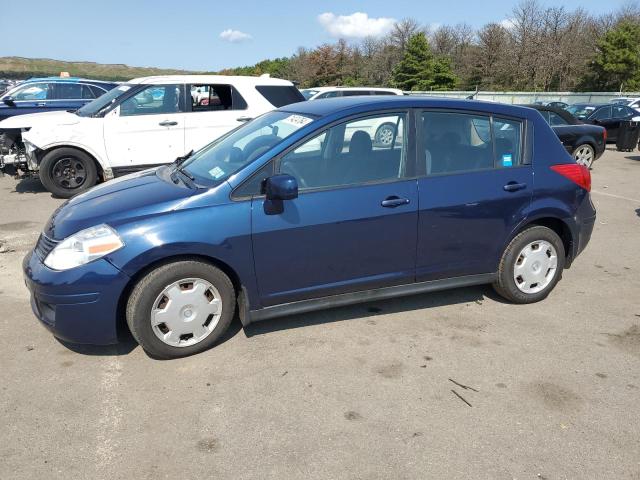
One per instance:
(244, 119)
(168, 123)
(514, 186)
(393, 202)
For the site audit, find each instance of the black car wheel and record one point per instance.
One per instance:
(65, 172)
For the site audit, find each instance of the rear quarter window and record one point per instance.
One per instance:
(280, 95)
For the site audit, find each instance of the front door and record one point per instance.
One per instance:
(475, 190)
(353, 226)
(147, 128)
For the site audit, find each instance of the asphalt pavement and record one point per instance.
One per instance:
(455, 385)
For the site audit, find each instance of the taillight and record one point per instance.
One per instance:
(578, 174)
(604, 135)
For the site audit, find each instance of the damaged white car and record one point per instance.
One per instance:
(140, 124)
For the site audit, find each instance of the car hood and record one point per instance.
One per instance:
(50, 119)
(133, 196)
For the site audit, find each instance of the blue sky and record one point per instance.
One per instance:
(211, 35)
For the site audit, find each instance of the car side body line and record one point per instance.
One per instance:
(332, 301)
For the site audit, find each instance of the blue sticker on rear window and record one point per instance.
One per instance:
(507, 160)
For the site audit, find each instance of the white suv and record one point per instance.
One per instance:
(140, 124)
(381, 130)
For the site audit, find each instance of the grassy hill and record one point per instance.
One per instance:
(21, 68)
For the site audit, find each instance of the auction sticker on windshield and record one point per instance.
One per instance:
(297, 120)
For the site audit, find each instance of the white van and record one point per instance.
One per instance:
(140, 124)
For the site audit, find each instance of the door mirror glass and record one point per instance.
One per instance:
(281, 187)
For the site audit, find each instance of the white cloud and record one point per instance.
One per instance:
(356, 25)
(234, 36)
(508, 23)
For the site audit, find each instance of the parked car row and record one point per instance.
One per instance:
(136, 125)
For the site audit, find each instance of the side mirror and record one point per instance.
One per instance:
(8, 100)
(281, 187)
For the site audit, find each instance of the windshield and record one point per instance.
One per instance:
(102, 102)
(580, 110)
(308, 93)
(227, 155)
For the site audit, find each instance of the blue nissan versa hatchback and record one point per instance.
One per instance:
(300, 209)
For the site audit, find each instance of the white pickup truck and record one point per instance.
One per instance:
(140, 124)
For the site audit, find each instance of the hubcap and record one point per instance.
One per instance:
(186, 312)
(535, 267)
(69, 173)
(584, 156)
(385, 135)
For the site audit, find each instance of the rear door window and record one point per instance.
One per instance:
(463, 142)
(556, 120)
(215, 97)
(67, 91)
(601, 114)
(280, 95)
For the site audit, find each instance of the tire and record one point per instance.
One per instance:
(155, 300)
(521, 287)
(585, 155)
(384, 134)
(65, 172)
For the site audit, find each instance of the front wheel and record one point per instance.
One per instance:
(180, 308)
(531, 265)
(584, 155)
(65, 172)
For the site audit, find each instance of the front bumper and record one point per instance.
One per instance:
(78, 305)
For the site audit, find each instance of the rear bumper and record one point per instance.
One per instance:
(78, 305)
(584, 234)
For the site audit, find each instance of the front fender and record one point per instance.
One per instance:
(220, 233)
(46, 140)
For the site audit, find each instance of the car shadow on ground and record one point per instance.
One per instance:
(29, 185)
(126, 343)
(374, 308)
(633, 157)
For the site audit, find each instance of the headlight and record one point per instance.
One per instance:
(84, 247)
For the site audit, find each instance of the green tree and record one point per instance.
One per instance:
(419, 69)
(617, 62)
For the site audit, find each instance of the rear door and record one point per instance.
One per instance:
(212, 111)
(146, 128)
(70, 96)
(475, 187)
(604, 117)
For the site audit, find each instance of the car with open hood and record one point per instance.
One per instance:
(285, 215)
(138, 124)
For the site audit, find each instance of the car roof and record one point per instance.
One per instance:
(557, 110)
(324, 107)
(366, 89)
(224, 79)
(66, 80)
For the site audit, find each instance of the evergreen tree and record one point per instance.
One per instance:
(420, 70)
(617, 63)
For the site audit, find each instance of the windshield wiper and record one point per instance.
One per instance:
(180, 160)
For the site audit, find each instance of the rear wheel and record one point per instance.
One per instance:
(180, 308)
(65, 172)
(584, 155)
(531, 265)
(385, 134)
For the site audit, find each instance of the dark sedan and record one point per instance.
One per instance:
(586, 143)
(606, 115)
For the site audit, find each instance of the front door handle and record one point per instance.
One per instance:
(393, 202)
(514, 186)
(244, 119)
(168, 123)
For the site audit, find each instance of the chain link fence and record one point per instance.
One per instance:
(532, 97)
